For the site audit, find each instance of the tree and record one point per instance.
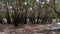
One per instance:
(33, 11)
(45, 17)
(7, 12)
(18, 15)
(54, 7)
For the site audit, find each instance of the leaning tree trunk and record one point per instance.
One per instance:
(53, 2)
(7, 13)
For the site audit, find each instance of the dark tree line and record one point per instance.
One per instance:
(20, 10)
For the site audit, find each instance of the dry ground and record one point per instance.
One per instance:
(23, 29)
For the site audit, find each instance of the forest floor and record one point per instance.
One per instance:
(23, 29)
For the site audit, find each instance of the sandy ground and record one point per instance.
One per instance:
(23, 29)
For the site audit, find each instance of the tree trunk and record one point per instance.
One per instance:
(53, 6)
(7, 13)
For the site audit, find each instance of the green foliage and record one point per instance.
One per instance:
(45, 5)
(52, 14)
(32, 1)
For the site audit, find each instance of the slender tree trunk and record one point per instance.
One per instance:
(7, 13)
(26, 13)
(39, 11)
(33, 16)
